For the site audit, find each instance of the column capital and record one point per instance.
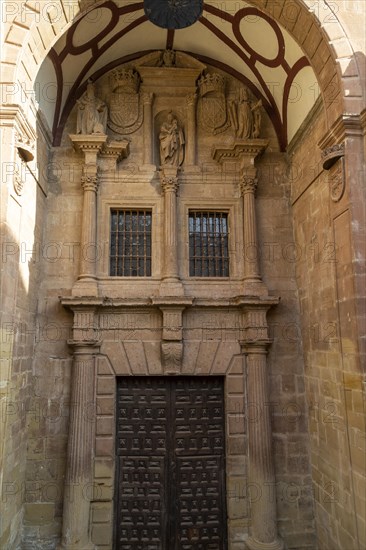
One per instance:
(90, 182)
(147, 98)
(255, 347)
(248, 184)
(169, 178)
(83, 347)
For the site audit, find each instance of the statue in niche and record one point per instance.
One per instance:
(245, 116)
(92, 113)
(171, 139)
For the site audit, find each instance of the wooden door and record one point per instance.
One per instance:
(170, 492)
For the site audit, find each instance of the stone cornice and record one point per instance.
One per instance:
(250, 148)
(14, 114)
(91, 142)
(79, 302)
(116, 149)
(345, 126)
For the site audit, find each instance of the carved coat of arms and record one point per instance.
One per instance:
(125, 110)
(212, 110)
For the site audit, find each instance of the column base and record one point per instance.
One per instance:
(85, 287)
(253, 544)
(81, 546)
(254, 287)
(171, 287)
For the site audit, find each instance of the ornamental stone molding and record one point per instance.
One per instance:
(331, 154)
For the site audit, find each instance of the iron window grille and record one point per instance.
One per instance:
(208, 244)
(130, 250)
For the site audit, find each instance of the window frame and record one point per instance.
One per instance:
(232, 208)
(104, 237)
(131, 233)
(207, 215)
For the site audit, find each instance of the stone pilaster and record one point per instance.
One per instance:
(248, 185)
(80, 453)
(147, 100)
(191, 100)
(264, 534)
(90, 146)
(171, 284)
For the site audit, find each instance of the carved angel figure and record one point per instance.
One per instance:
(92, 113)
(171, 139)
(245, 116)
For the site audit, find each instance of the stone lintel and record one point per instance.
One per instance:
(242, 151)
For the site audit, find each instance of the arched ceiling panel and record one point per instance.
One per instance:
(233, 36)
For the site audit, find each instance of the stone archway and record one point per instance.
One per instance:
(40, 27)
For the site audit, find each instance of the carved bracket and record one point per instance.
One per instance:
(172, 346)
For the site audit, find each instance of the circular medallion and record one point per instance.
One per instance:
(173, 14)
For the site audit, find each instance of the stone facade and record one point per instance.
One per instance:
(284, 329)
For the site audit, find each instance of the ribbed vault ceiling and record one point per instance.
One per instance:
(231, 35)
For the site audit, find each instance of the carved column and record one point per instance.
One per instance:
(90, 146)
(248, 186)
(244, 153)
(191, 130)
(80, 454)
(169, 184)
(261, 469)
(147, 99)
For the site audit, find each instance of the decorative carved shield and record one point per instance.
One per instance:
(124, 109)
(212, 113)
(125, 112)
